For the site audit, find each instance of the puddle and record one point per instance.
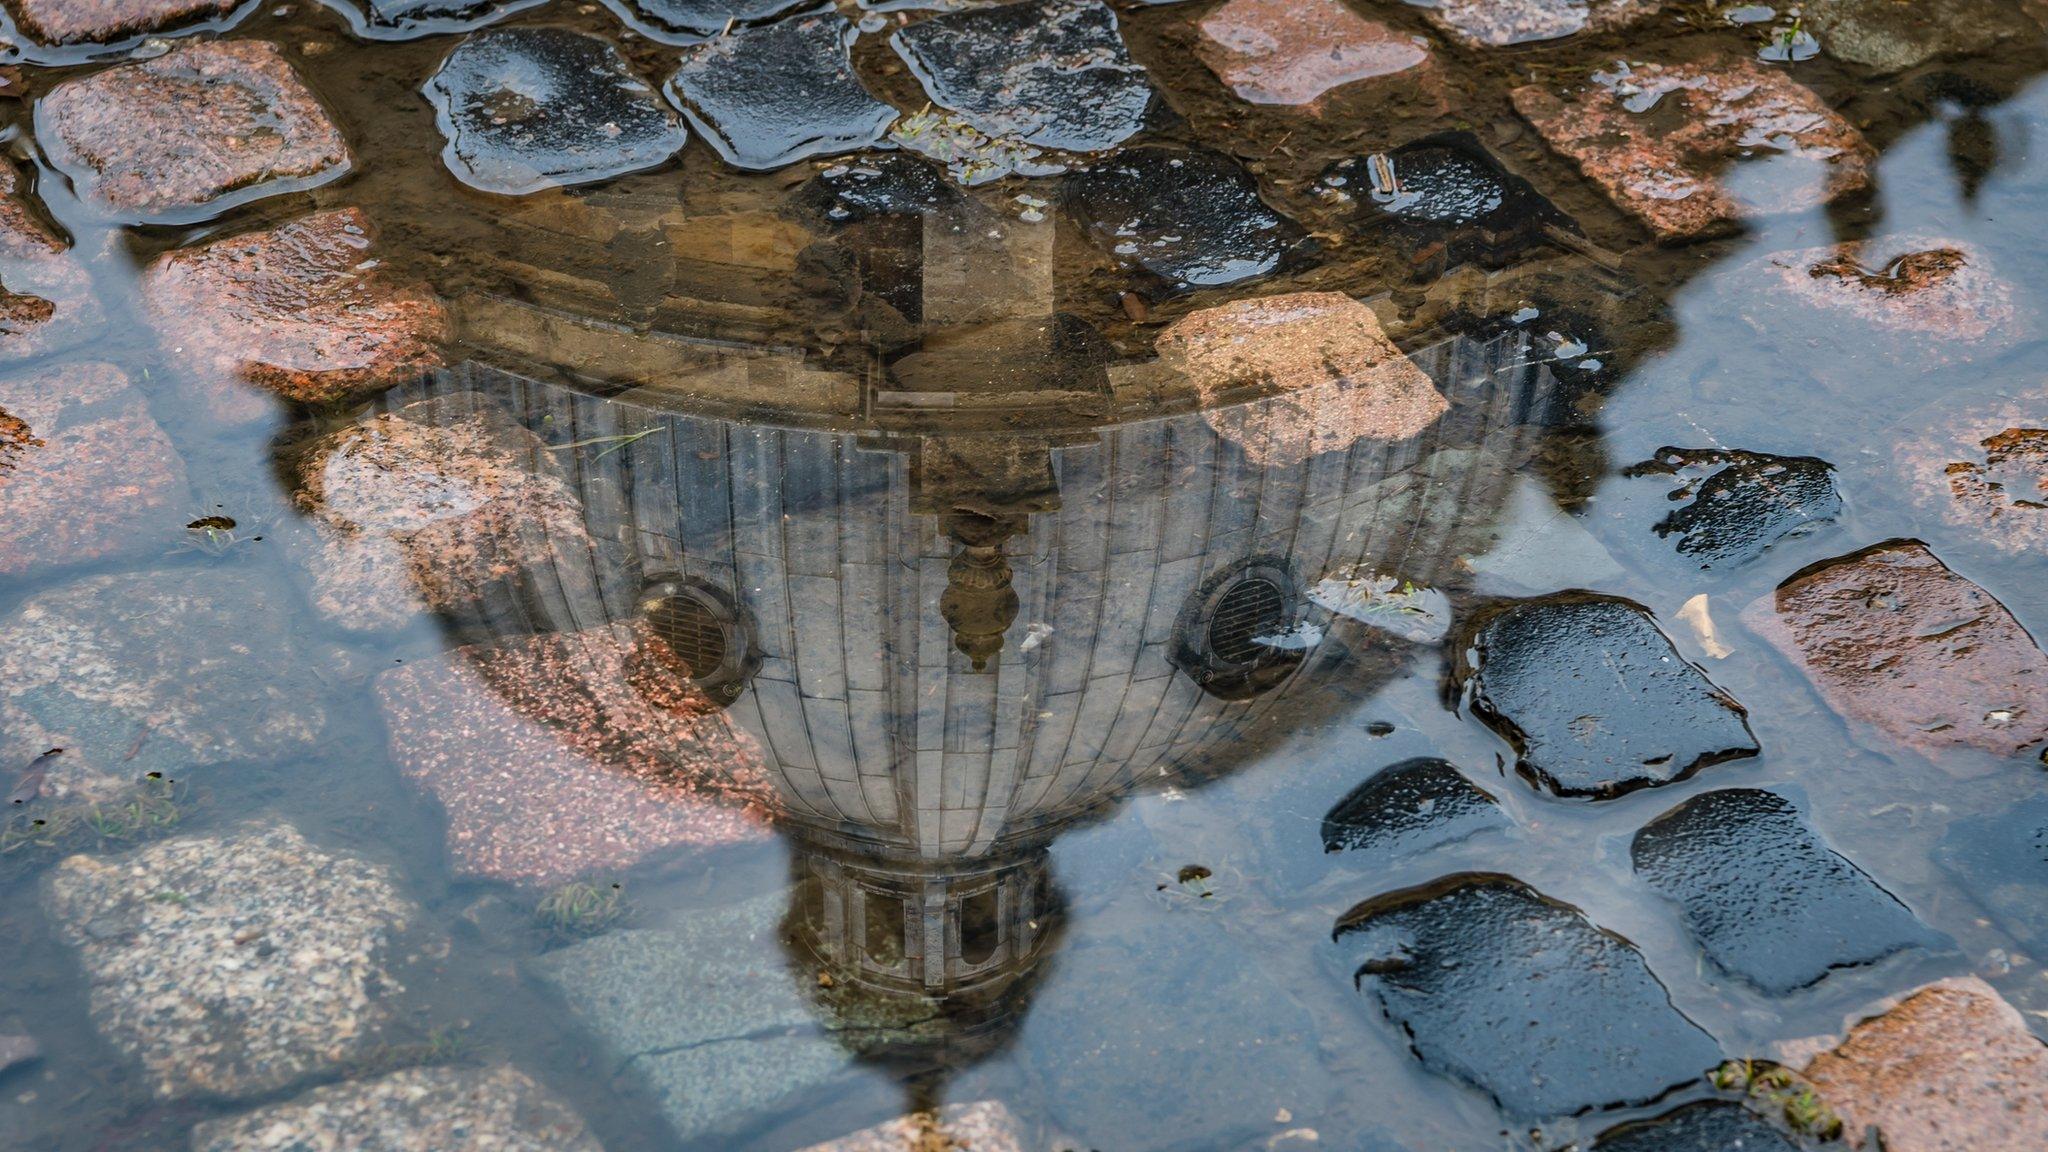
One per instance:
(1210, 577)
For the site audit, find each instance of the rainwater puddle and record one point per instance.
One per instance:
(1227, 576)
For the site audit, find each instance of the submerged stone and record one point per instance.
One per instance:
(883, 184)
(205, 127)
(413, 19)
(2001, 861)
(1765, 898)
(1659, 139)
(17, 1051)
(1522, 997)
(983, 1126)
(232, 965)
(1892, 37)
(1194, 219)
(303, 311)
(1710, 1126)
(569, 755)
(1893, 639)
(688, 21)
(1984, 468)
(1045, 73)
(1952, 1068)
(1875, 309)
(706, 1014)
(1408, 809)
(766, 97)
(1294, 51)
(1317, 368)
(445, 505)
(85, 472)
(1732, 505)
(1446, 201)
(435, 1109)
(1594, 697)
(47, 300)
(65, 23)
(1118, 1059)
(157, 671)
(525, 109)
(1499, 23)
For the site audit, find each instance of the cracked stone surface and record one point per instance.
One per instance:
(205, 127)
(1045, 73)
(571, 755)
(444, 505)
(1294, 51)
(1952, 1068)
(232, 965)
(1522, 997)
(525, 109)
(1764, 897)
(85, 472)
(494, 1109)
(303, 311)
(1894, 640)
(1594, 697)
(705, 1013)
(1659, 139)
(767, 97)
(158, 671)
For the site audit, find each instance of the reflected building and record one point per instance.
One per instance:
(972, 581)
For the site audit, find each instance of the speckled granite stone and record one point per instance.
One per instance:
(1952, 1068)
(231, 965)
(85, 473)
(1294, 51)
(1892, 638)
(189, 134)
(303, 311)
(1330, 375)
(430, 508)
(706, 1013)
(48, 301)
(1658, 140)
(570, 755)
(157, 671)
(496, 1109)
(69, 22)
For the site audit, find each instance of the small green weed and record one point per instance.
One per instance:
(1776, 1086)
(579, 911)
(150, 809)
